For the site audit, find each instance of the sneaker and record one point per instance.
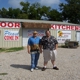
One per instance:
(56, 68)
(32, 70)
(36, 68)
(43, 69)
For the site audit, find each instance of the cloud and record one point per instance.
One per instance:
(49, 2)
(15, 3)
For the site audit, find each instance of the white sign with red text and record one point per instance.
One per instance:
(65, 27)
(11, 35)
(10, 25)
(40, 33)
(63, 35)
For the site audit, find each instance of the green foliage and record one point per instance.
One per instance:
(71, 11)
(54, 15)
(31, 11)
(22, 16)
(3, 12)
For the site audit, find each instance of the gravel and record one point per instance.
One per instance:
(17, 66)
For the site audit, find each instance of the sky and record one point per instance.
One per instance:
(16, 3)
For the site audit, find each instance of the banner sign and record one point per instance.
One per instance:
(40, 33)
(10, 25)
(11, 35)
(65, 27)
(63, 35)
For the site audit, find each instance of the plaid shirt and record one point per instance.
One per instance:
(49, 43)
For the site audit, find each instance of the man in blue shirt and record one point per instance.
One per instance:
(33, 49)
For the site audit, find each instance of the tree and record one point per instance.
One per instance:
(22, 16)
(34, 11)
(45, 11)
(10, 13)
(25, 7)
(54, 15)
(16, 12)
(3, 13)
(71, 11)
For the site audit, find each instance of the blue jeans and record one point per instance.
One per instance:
(34, 59)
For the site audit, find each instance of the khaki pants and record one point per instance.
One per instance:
(49, 55)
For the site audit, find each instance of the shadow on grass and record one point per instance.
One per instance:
(23, 66)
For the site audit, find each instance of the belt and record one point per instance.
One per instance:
(33, 52)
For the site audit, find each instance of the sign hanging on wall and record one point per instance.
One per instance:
(63, 35)
(40, 33)
(65, 27)
(11, 35)
(10, 25)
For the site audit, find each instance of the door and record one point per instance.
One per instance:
(78, 36)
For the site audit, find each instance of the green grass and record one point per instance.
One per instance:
(1, 49)
(11, 49)
(3, 73)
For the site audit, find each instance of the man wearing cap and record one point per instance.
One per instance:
(33, 49)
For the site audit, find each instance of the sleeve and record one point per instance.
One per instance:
(55, 40)
(29, 42)
(41, 41)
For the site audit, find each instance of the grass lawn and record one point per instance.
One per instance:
(11, 49)
(3, 73)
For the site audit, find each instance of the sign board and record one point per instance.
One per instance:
(40, 33)
(65, 27)
(11, 35)
(63, 35)
(10, 25)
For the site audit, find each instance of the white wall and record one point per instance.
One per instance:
(78, 36)
(28, 32)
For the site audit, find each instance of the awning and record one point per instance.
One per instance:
(36, 25)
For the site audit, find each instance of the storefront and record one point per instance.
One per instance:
(10, 34)
(15, 32)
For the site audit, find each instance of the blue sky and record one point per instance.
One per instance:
(15, 3)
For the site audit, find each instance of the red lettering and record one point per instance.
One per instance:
(72, 27)
(9, 37)
(59, 27)
(77, 28)
(52, 26)
(17, 25)
(63, 27)
(10, 24)
(16, 37)
(3, 24)
(68, 27)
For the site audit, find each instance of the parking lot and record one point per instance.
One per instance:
(16, 66)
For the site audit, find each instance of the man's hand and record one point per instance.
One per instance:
(28, 49)
(41, 50)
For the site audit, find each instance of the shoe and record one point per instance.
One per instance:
(56, 68)
(36, 68)
(32, 70)
(43, 69)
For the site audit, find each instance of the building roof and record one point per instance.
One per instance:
(36, 21)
